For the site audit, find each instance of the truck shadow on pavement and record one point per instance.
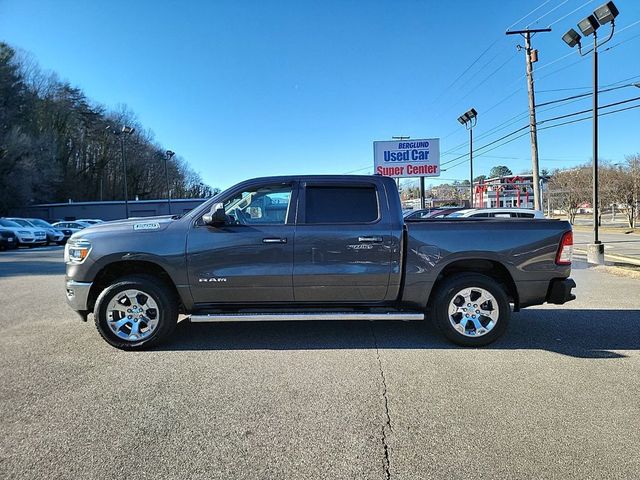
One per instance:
(592, 334)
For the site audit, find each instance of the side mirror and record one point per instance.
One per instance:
(216, 216)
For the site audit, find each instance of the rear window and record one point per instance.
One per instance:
(341, 204)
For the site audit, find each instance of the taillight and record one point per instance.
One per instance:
(565, 250)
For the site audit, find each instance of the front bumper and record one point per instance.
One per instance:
(77, 294)
(560, 291)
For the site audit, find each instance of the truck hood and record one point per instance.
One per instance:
(131, 225)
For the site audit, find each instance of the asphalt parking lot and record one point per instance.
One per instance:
(557, 397)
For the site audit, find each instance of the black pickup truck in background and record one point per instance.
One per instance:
(314, 248)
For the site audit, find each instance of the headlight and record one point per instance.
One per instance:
(25, 232)
(76, 251)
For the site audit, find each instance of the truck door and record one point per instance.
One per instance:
(343, 243)
(249, 259)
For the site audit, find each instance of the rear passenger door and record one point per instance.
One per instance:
(343, 243)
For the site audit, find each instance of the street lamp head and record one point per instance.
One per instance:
(588, 25)
(468, 116)
(128, 130)
(572, 38)
(606, 13)
(170, 154)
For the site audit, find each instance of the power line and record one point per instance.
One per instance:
(488, 144)
(590, 116)
(550, 11)
(531, 12)
(571, 12)
(621, 102)
(632, 107)
(539, 123)
(583, 95)
(520, 116)
(469, 67)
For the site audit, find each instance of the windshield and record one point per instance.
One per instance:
(40, 223)
(9, 223)
(23, 222)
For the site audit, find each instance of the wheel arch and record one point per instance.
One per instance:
(491, 268)
(122, 268)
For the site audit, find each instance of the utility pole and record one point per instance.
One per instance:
(168, 156)
(531, 56)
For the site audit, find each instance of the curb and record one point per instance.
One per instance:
(612, 257)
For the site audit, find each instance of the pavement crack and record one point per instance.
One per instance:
(386, 428)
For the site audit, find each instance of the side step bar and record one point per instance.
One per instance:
(281, 317)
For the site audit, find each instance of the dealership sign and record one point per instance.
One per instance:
(407, 158)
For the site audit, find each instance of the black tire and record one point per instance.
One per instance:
(447, 292)
(159, 291)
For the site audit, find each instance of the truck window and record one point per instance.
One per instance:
(265, 205)
(341, 204)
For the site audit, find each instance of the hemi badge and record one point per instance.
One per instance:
(146, 226)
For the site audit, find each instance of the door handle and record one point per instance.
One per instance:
(274, 240)
(370, 239)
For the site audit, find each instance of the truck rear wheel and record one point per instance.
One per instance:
(136, 312)
(471, 309)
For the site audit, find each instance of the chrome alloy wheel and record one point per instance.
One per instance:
(473, 312)
(132, 315)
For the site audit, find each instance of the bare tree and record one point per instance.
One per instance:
(569, 189)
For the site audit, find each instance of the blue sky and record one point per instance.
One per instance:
(249, 88)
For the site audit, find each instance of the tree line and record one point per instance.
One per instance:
(619, 189)
(56, 144)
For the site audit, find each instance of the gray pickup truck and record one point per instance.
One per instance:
(313, 248)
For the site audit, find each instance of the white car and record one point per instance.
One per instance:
(497, 213)
(53, 234)
(72, 225)
(25, 236)
(90, 221)
(39, 233)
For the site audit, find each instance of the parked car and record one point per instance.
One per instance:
(71, 226)
(497, 213)
(313, 248)
(8, 239)
(39, 233)
(90, 221)
(54, 235)
(25, 236)
(440, 212)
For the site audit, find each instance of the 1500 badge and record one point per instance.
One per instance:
(146, 226)
(212, 279)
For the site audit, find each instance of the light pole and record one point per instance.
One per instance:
(469, 119)
(589, 26)
(168, 156)
(126, 130)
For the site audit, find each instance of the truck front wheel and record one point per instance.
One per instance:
(136, 312)
(471, 309)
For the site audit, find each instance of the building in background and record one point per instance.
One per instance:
(109, 210)
(512, 191)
